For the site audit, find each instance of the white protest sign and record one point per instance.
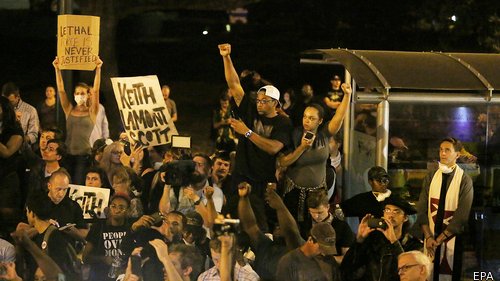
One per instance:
(90, 198)
(77, 41)
(142, 109)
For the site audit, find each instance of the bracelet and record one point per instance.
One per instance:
(248, 134)
(427, 238)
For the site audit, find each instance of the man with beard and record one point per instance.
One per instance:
(221, 165)
(262, 132)
(186, 198)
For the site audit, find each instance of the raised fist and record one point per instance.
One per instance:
(225, 49)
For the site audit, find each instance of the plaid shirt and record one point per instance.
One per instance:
(244, 273)
(29, 120)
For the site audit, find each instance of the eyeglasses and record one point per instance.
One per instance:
(406, 267)
(263, 101)
(382, 180)
(394, 212)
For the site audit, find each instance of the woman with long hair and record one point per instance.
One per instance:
(112, 160)
(80, 121)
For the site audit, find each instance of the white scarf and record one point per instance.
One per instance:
(382, 196)
(450, 205)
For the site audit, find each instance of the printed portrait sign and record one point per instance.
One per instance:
(90, 199)
(77, 41)
(143, 110)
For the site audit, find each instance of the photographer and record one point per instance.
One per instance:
(187, 188)
(379, 242)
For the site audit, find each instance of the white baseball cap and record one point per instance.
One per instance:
(271, 91)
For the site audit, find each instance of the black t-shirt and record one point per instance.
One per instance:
(68, 211)
(251, 161)
(106, 240)
(56, 248)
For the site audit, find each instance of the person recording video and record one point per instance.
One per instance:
(379, 241)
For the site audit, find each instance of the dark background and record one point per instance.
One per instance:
(158, 37)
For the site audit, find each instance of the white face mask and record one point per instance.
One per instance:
(80, 99)
(445, 169)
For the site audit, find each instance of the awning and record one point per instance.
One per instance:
(415, 71)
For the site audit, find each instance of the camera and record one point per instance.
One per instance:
(377, 223)
(309, 135)
(178, 172)
(226, 226)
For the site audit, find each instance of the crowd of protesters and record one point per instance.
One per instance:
(262, 206)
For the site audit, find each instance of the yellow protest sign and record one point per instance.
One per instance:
(143, 110)
(77, 41)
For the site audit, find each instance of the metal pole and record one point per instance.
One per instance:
(382, 147)
(347, 135)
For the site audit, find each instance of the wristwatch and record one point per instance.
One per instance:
(197, 202)
(248, 134)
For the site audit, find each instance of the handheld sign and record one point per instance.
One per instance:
(90, 199)
(77, 41)
(143, 110)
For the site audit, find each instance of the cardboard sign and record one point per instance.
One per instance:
(90, 198)
(77, 41)
(143, 110)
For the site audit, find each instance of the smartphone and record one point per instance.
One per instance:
(377, 223)
(135, 262)
(309, 135)
(158, 218)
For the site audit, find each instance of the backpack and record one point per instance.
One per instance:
(75, 261)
